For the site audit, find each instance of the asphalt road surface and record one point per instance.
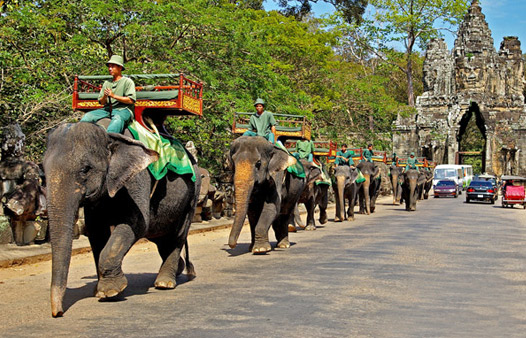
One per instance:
(450, 269)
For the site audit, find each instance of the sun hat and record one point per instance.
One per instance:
(259, 101)
(116, 60)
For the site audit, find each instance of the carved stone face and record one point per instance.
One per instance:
(12, 141)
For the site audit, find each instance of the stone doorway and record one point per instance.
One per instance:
(472, 139)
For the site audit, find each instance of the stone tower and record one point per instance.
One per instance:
(471, 80)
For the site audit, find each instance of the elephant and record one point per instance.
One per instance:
(428, 183)
(314, 194)
(345, 187)
(370, 188)
(106, 174)
(264, 189)
(395, 178)
(412, 183)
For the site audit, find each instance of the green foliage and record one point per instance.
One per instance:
(237, 50)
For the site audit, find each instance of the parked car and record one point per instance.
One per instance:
(446, 188)
(482, 191)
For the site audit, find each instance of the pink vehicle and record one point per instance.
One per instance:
(513, 193)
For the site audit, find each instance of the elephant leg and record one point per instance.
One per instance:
(311, 223)
(254, 212)
(98, 237)
(281, 231)
(112, 280)
(173, 264)
(297, 218)
(268, 215)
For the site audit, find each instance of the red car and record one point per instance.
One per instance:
(446, 188)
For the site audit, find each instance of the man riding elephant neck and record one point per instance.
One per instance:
(344, 157)
(262, 123)
(411, 162)
(304, 149)
(368, 153)
(117, 96)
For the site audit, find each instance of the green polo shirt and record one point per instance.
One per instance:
(368, 155)
(412, 162)
(347, 154)
(304, 148)
(263, 123)
(122, 87)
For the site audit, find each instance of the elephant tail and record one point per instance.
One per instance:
(190, 270)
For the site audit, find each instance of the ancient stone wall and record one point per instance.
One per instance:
(472, 79)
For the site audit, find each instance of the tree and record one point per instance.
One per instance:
(410, 23)
(352, 10)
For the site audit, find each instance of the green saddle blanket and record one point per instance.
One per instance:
(297, 168)
(360, 178)
(172, 154)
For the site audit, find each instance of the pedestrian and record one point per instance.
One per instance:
(368, 153)
(412, 161)
(304, 149)
(344, 157)
(117, 96)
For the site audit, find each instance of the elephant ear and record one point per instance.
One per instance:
(128, 158)
(279, 161)
(314, 173)
(376, 172)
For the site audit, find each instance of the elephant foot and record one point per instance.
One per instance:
(261, 248)
(292, 228)
(338, 219)
(111, 287)
(310, 227)
(323, 219)
(164, 282)
(284, 244)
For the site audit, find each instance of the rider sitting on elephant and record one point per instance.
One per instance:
(344, 157)
(395, 159)
(304, 149)
(262, 123)
(411, 162)
(368, 153)
(117, 96)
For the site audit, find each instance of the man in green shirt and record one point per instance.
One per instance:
(304, 149)
(368, 153)
(262, 123)
(344, 157)
(412, 161)
(117, 96)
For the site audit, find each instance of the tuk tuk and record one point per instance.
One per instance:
(513, 191)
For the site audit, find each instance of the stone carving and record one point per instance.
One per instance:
(472, 79)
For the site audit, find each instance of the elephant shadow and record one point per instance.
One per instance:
(243, 249)
(138, 284)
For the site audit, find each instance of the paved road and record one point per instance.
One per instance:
(449, 269)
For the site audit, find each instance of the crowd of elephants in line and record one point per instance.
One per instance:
(106, 174)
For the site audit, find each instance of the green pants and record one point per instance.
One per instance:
(120, 118)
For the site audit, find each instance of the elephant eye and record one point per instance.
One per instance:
(85, 169)
(258, 164)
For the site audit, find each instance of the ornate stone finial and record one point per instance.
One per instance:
(475, 3)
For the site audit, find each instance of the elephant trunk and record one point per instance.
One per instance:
(394, 183)
(366, 185)
(413, 194)
(62, 211)
(243, 186)
(340, 182)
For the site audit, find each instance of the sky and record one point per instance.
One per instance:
(504, 18)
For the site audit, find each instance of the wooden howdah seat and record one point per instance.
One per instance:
(172, 94)
(422, 162)
(289, 126)
(326, 149)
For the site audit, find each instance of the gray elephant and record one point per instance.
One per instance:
(264, 189)
(396, 183)
(412, 183)
(428, 184)
(314, 194)
(106, 173)
(370, 187)
(345, 188)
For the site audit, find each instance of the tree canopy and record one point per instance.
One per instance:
(239, 51)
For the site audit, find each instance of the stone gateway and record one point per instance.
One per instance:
(472, 81)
